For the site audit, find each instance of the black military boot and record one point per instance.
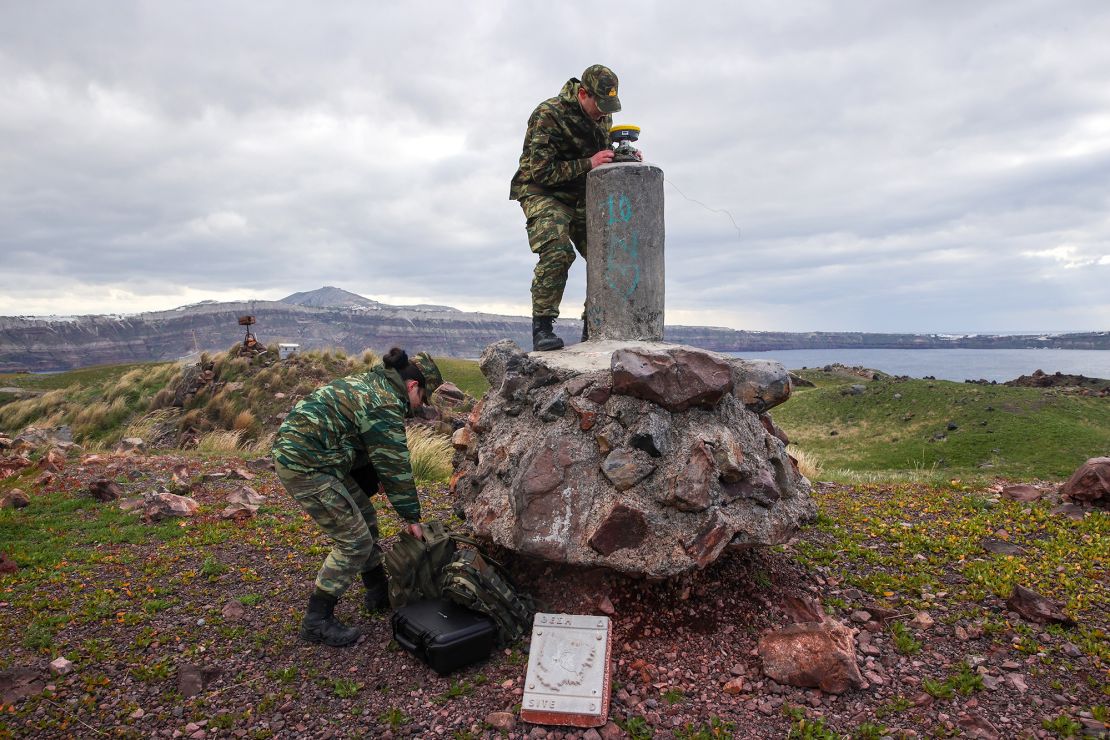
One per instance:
(377, 589)
(320, 625)
(543, 337)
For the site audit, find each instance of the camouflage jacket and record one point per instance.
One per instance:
(354, 418)
(558, 145)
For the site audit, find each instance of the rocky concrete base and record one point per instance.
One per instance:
(645, 457)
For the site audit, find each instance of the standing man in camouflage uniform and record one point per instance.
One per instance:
(567, 136)
(332, 452)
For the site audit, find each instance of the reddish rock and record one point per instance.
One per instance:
(611, 731)
(501, 721)
(575, 386)
(473, 421)
(61, 666)
(19, 683)
(812, 655)
(54, 460)
(978, 727)
(691, 489)
(710, 540)
(242, 503)
(103, 489)
(1090, 483)
(760, 488)
(15, 499)
(180, 476)
(12, 465)
(46, 479)
(546, 516)
(760, 384)
(131, 444)
(600, 393)
(1022, 492)
(7, 565)
(773, 428)
(587, 412)
(462, 438)
(241, 474)
(735, 686)
(729, 456)
(233, 610)
(626, 467)
(1037, 608)
(803, 609)
(158, 505)
(677, 379)
(624, 528)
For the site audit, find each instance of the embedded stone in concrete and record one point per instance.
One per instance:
(676, 379)
(569, 673)
(623, 528)
(690, 490)
(760, 384)
(710, 542)
(625, 272)
(652, 434)
(626, 467)
(728, 454)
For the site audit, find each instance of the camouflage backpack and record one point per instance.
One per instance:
(415, 567)
(481, 584)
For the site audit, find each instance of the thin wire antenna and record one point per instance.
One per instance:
(712, 210)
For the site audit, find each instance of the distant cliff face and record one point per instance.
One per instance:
(45, 344)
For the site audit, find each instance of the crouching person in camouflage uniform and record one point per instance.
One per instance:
(334, 450)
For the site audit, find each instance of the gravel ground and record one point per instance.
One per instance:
(225, 597)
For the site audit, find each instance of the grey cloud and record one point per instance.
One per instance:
(891, 167)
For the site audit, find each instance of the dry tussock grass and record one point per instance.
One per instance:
(262, 445)
(430, 455)
(148, 426)
(244, 421)
(220, 441)
(128, 382)
(809, 464)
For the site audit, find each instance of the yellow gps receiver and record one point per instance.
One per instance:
(623, 136)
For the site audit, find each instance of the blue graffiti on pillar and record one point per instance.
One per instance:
(622, 265)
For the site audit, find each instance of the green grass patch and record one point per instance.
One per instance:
(465, 374)
(69, 527)
(900, 428)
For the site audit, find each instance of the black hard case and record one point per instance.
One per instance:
(443, 634)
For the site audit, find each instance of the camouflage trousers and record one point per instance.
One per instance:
(344, 511)
(555, 230)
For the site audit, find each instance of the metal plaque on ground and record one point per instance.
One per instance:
(568, 671)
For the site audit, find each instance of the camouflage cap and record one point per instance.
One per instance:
(432, 377)
(601, 83)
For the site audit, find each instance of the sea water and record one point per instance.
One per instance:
(950, 364)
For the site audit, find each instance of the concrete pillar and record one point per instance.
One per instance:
(624, 258)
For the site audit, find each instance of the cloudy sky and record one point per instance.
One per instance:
(911, 166)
